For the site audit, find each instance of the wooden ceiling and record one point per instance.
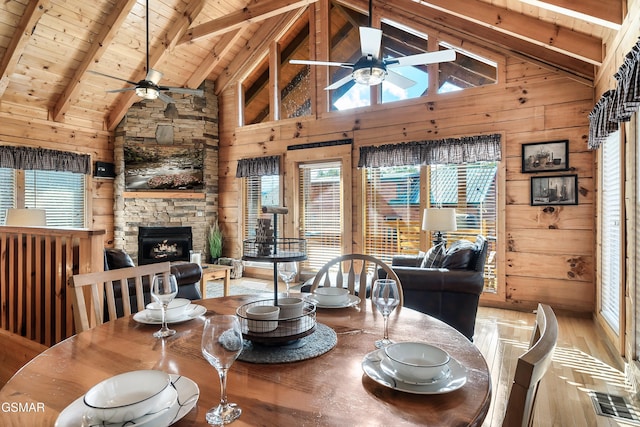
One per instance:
(49, 47)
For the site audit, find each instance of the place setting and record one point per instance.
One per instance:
(410, 367)
(166, 308)
(332, 297)
(140, 398)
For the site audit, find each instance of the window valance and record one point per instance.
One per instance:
(469, 149)
(43, 159)
(617, 105)
(258, 166)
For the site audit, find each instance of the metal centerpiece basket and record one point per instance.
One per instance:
(268, 247)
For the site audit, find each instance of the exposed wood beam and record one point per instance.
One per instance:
(175, 31)
(256, 48)
(414, 14)
(607, 13)
(554, 37)
(221, 49)
(32, 14)
(107, 33)
(250, 14)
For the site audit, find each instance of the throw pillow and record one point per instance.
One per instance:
(459, 255)
(434, 257)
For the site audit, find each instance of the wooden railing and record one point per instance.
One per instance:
(35, 267)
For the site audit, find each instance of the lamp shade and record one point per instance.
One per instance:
(439, 219)
(26, 217)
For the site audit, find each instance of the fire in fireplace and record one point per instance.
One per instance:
(159, 244)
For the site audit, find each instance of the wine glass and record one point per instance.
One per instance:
(221, 345)
(386, 297)
(287, 272)
(164, 289)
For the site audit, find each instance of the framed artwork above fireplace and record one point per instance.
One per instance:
(151, 166)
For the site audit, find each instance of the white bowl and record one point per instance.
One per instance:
(127, 396)
(417, 361)
(175, 311)
(330, 295)
(290, 308)
(262, 318)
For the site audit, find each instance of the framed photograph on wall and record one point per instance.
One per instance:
(545, 156)
(554, 190)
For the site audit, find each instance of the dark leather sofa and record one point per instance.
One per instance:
(187, 274)
(451, 293)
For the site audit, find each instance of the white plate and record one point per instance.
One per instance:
(191, 312)
(353, 300)
(371, 366)
(188, 393)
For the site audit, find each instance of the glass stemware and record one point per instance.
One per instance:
(164, 289)
(287, 272)
(385, 296)
(221, 345)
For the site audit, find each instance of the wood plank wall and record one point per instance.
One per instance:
(544, 254)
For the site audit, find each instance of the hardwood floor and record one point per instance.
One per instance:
(582, 364)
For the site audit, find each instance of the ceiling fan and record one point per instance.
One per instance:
(148, 88)
(371, 70)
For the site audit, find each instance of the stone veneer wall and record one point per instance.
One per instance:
(195, 122)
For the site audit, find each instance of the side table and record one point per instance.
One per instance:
(213, 272)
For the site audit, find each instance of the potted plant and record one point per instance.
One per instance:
(214, 241)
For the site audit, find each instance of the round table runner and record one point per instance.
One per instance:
(322, 340)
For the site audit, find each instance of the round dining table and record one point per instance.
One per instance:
(330, 389)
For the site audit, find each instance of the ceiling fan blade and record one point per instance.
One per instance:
(399, 80)
(333, 64)
(197, 92)
(423, 58)
(339, 83)
(166, 98)
(370, 41)
(154, 76)
(126, 89)
(111, 77)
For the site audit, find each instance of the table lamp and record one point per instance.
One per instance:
(26, 217)
(439, 220)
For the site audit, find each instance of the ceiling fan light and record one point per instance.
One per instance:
(370, 76)
(147, 92)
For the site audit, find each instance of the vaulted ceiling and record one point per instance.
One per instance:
(49, 49)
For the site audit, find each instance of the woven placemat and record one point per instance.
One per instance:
(319, 342)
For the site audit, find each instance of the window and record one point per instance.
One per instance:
(467, 71)
(61, 194)
(320, 196)
(393, 208)
(611, 231)
(259, 191)
(295, 80)
(256, 95)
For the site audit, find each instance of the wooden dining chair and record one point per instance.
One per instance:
(530, 369)
(346, 271)
(101, 284)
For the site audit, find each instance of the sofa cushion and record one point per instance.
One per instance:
(459, 256)
(117, 258)
(433, 258)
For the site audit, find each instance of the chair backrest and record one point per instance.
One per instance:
(101, 284)
(530, 369)
(26, 217)
(351, 269)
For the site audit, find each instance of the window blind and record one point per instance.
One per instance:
(320, 196)
(611, 233)
(61, 194)
(7, 192)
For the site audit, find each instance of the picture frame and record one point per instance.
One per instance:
(554, 190)
(548, 156)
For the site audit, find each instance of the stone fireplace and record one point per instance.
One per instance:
(193, 123)
(160, 244)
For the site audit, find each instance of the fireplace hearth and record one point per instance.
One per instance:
(160, 244)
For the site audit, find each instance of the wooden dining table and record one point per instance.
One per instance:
(328, 390)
